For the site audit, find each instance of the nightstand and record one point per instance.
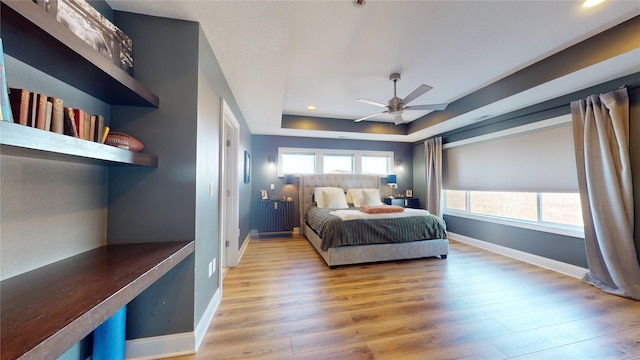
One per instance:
(276, 217)
(413, 203)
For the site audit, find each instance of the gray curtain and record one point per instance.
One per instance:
(601, 136)
(433, 167)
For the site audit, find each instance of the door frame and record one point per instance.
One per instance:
(228, 207)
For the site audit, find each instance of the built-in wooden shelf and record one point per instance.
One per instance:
(23, 140)
(35, 37)
(46, 311)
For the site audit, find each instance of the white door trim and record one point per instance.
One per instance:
(229, 214)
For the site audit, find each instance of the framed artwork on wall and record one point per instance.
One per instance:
(247, 167)
(408, 193)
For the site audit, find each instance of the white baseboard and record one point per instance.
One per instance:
(165, 346)
(558, 266)
(158, 347)
(245, 243)
(207, 317)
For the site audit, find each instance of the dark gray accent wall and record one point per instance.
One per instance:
(149, 205)
(171, 203)
(263, 174)
(562, 248)
(419, 174)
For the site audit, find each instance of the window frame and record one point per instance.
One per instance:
(319, 155)
(539, 225)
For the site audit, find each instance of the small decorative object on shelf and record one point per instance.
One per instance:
(5, 113)
(88, 24)
(124, 141)
(408, 193)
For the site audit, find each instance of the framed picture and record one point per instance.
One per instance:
(263, 195)
(408, 193)
(247, 167)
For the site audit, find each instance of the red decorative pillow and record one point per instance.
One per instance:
(381, 209)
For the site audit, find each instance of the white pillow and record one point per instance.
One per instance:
(358, 197)
(334, 200)
(319, 199)
(371, 197)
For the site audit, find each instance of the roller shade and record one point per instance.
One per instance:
(541, 160)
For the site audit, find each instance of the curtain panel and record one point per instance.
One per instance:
(601, 138)
(433, 169)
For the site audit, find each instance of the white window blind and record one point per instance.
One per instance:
(534, 158)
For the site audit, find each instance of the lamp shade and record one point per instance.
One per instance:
(391, 179)
(288, 179)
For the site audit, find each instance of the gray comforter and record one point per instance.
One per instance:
(335, 232)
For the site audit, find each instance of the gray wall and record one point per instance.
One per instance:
(263, 174)
(151, 205)
(172, 202)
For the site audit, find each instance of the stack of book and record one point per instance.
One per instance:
(49, 113)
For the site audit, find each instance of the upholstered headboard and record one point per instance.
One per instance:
(346, 181)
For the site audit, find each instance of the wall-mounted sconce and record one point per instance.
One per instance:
(398, 165)
(391, 181)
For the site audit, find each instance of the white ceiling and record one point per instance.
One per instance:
(280, 56)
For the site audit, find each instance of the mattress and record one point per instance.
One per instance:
(335, 232)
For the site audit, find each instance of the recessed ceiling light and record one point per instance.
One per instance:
(590, 3)
(311, 107)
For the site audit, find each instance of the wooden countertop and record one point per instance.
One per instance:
(46, 311)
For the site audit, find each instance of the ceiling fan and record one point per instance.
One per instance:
(396, 105)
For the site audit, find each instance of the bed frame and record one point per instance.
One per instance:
(356, 254)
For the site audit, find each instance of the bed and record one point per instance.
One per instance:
(343, 252)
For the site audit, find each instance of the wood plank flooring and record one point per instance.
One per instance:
(283, 302)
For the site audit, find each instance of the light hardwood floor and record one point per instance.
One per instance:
(283, 302)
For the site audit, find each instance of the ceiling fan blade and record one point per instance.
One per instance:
(427, 107)
(369, 116)
(416, 93)
(371, 102)
(397, 119)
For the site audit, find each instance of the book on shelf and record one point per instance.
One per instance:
(78, 118)
(92, 128)
(41, 111)
(57, 115)
(99, 128)
(105, 133)
(70, 122)
(33, 109)
(48, 115)
(87, 126)
(5, 106)
(19, 99)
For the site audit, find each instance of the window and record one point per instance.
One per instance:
(549, 210)
(299, 161)
(376, 165)
(337, 164)
(561, 208)
(512, 205)
(456, 200)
